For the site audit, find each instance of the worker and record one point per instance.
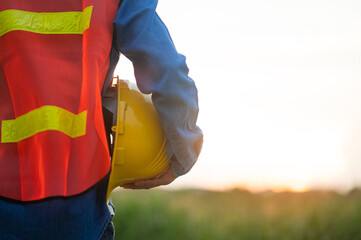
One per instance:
(55, 57)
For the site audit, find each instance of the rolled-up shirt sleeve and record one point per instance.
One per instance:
(159, 69)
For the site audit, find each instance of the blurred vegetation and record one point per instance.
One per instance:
(236, 214)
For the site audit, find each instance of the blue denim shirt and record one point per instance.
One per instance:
(142, 37)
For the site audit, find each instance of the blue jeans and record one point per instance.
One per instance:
(79, 217)
(109, 232)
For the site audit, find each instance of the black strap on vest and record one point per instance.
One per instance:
(110, 101)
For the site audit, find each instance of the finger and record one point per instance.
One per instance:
(143, 184)
(147, 184)
(163, 179)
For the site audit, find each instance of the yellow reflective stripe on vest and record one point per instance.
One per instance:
(43, 119)
(45, 23)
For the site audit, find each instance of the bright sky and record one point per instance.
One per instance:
(279, 86)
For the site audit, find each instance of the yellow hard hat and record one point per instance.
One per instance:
(139, 150)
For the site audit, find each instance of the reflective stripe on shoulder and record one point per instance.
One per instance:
(43, 119)
(45, 22)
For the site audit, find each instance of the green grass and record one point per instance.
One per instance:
(237, 214)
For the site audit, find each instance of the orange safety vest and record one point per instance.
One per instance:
(54, 56)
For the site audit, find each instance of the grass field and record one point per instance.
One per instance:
(236, 214)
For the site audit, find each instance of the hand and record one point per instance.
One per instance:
(164, 178)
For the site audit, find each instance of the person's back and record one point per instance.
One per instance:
(54, 158)
(54, 57)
